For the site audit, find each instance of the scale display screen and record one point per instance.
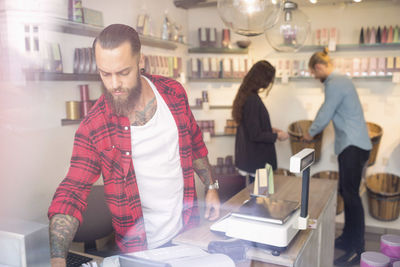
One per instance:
(307, 161)
(302, 160)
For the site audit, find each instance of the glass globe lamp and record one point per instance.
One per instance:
(249, 17)
(291, 31)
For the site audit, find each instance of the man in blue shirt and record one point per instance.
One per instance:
(352, 145)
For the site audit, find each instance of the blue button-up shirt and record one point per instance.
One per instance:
(343, 107)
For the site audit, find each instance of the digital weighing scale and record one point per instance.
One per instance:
(270, 222)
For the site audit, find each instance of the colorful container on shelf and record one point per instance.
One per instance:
(390, 246)
(374, 259)
(378, 36)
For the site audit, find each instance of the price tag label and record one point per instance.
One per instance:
(194, 65)
(206, 65)
(332, 45)
(182, 77)
(396, 77)
(206, 106)
(285, 77)
(206, 137)
(213, 64)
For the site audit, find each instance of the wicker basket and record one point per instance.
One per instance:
(333, 175)
(285, 172)
(297, 143)
(383, 191)
(375, 133)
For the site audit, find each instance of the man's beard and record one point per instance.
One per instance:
(123, 107)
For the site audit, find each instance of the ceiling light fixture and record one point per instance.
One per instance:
(249, 17)
(291, 31)
(313, 1)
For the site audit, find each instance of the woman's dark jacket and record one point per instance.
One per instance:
(254, 145)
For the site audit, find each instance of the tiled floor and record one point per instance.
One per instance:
(372, 243)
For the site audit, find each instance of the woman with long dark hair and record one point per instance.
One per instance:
(255, 137)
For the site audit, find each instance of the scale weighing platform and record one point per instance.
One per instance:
(269, 222)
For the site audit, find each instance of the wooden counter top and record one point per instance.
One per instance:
(286, 188)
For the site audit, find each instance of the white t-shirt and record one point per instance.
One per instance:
(156, 159)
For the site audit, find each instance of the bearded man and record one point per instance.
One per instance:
(142, 137)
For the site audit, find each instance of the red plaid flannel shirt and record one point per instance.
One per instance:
(103, 145)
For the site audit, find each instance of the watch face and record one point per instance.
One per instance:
(215, 185)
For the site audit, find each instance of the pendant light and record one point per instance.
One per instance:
(249, 17)
(291, 31)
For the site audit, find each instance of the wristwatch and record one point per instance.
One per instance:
(215, 185)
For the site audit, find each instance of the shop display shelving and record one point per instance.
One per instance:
(213, 107)
(70, 27)
(218, 50)
(74, 28)
(352, 47)
(358, 78)
(65, 122)
(223, 135)
(53, 76)
(216, 80)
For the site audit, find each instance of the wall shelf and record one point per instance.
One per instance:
(65, 122)
(357, 78)
(223, 135)
(187, 4)
(53, 76)
(157, 42)
(71, 27)
(351, 47)
(212, 107)
(217, 50)
(66, 26)
(215, 80)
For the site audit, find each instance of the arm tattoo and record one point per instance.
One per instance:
(203, 169)
(143, 116)
(62, 231)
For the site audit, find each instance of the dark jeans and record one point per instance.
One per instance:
(352, 161)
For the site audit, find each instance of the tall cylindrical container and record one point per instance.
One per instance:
(84, 90)
(85, 107)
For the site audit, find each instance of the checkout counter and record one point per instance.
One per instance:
(311, 247)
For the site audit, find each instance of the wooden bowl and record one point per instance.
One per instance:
(243, 43)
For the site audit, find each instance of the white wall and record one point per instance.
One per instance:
(35, 148)
(300, 100)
